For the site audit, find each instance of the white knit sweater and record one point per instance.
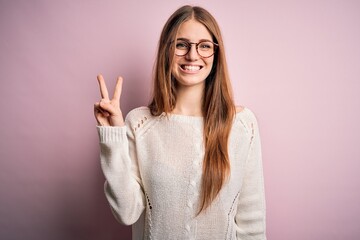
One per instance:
(153, 169)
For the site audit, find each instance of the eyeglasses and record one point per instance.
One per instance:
(204, 48)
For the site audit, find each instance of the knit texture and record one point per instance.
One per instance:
(153, 169)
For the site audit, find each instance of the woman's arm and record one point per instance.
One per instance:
(123, 187)
(118, 157)
(250, 216)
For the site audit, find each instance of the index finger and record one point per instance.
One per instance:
(118, 88)
(103, 90)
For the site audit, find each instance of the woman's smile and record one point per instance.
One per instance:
(188, 68)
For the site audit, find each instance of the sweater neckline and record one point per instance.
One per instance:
(195, 119)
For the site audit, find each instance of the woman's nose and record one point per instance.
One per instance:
(192, 55)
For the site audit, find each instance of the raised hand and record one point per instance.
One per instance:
(107, 111)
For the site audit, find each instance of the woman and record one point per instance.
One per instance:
(188, 166)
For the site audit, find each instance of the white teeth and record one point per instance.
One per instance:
(191, 68)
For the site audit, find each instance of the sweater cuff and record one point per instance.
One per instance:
(111, 134)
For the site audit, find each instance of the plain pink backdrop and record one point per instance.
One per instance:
(296, 64)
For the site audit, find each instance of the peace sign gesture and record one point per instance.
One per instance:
(107, 111)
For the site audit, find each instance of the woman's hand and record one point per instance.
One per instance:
(107, 112)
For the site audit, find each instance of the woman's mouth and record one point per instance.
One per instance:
(190, 68)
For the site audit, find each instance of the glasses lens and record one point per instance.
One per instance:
(206, 49)
(181, 47)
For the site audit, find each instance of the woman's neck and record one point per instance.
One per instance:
(189, 100)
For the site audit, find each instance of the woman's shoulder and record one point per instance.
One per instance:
(239, 108)
(137, 117)
(143, 110)
(246, 120)
(245, 115)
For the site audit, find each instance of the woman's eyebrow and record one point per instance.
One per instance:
(188, 40)
(185, 39)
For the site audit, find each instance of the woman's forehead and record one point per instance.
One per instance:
(193, 31)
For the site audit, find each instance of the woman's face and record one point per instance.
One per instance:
(192, 69)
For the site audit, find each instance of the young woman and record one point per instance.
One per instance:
(188, 166)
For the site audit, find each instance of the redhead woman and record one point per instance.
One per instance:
(188, 165)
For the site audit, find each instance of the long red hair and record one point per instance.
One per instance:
(218, 106)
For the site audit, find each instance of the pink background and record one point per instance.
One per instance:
(296, 64)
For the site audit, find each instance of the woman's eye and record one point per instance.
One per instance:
(205, 46)
(181, 45)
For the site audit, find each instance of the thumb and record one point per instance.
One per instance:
(108, 107)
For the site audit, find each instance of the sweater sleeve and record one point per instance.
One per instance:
(250, 216)
(123, 186)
